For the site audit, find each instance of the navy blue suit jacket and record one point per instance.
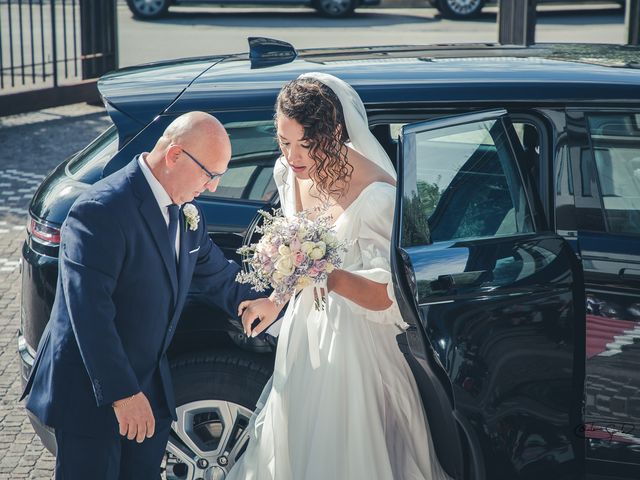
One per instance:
(119, 297)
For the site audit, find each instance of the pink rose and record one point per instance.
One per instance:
(320, 265)
(295, 244)
(299, 258)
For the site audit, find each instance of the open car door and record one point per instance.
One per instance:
(495, 301)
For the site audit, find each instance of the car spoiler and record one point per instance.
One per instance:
(134, 96)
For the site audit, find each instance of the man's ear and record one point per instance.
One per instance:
(171, 155)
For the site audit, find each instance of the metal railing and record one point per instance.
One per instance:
(632, 22)
(517, 22)
(49, 46)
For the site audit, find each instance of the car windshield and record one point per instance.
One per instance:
(86, 166)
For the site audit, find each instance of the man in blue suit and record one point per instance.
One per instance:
(131, 247)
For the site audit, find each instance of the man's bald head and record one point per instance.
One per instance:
(193, 135)
(194, 127)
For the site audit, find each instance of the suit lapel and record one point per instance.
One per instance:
(155, 223)
(158, 228)
(185, 270)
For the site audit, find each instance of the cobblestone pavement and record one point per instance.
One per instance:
(32, 145)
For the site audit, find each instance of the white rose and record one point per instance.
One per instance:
(190, 209)
(277, 277)
(191, 215)
(285, 265)
(284, 250)
(329, 267)
(319, 249)
(307, 247)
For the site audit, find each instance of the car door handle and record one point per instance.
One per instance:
(630, 274)
(453, 280)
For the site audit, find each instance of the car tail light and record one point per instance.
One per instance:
(44, 233)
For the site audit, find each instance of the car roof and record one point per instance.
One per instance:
(442, 75)
(436, 74)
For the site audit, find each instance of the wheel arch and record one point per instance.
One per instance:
(203, 326)
(474, 458)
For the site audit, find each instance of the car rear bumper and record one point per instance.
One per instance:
(27, 357)
(39, 269)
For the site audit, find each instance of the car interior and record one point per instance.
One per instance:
(616, 139)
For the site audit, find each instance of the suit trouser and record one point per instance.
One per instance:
(110, 456)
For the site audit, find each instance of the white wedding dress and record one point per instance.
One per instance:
(342, 403)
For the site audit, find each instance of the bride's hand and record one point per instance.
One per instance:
(263, 309)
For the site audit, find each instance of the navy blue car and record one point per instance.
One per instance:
(516, 247)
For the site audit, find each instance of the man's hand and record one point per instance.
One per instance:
(135, 417)
(263, 309)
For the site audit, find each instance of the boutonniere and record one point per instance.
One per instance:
(191, 215)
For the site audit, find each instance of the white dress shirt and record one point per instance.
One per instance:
(161, 196)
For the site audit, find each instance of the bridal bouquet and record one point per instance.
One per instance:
(292, 254)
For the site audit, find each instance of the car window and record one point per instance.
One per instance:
(615, 140)
(467, 185)
(527, 133)
(250, 174)
(87, 165)
(143, 141)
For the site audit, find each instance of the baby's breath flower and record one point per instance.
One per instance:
(292, 253)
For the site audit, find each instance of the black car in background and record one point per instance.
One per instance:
(153, 9)
(516, 248)
(468, 9)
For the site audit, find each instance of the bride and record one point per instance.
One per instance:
(342, 403)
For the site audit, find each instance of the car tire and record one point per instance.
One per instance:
(335, 8)
(460, 9)
(215, 397)
(148, 9)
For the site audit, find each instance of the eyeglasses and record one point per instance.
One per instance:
(212, 176)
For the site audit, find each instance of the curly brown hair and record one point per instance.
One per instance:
(317, 109)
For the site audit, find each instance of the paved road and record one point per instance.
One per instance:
(190, 31)
(32, 144)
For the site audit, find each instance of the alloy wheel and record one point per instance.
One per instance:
(335, 8)
(149, 8)
(207, 440)
(464, 7)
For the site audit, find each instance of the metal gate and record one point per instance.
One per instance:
(52, 51)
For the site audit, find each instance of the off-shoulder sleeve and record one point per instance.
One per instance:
(374, 242)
